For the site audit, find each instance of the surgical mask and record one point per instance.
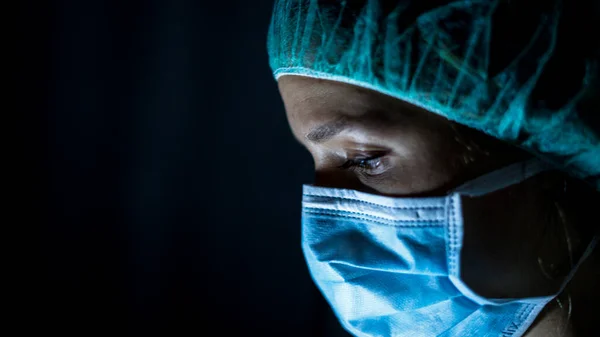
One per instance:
(391, 266)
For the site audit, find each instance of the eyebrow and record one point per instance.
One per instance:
(325, 132)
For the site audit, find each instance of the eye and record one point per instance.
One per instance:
(368, 165)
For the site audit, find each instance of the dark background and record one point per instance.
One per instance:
(169, 192)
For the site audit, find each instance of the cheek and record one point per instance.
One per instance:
(501, 250)
(423, 163)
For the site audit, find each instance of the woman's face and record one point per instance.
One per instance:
(362, 140)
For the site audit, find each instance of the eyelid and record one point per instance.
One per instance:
(354, 161)
(354, 164)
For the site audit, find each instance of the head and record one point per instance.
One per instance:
(435, 55)
(363, 140)
(414, 98)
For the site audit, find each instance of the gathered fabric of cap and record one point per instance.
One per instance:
(525, 72)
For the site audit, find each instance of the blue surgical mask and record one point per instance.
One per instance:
(391, 266)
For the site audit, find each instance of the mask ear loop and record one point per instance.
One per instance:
(551, 272)
(502, 178)
(563, 218)
(573, 266)
(564, 225)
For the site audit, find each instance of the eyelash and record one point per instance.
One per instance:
(359, 164)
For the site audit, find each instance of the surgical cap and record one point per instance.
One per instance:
(525, 72)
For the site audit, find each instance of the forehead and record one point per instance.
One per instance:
(308, 98)
(310, 101)
(314, 92)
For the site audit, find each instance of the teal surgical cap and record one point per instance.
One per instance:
(525, 72)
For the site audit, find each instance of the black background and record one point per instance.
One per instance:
(170, 184)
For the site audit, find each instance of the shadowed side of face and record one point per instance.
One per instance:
(360, 139)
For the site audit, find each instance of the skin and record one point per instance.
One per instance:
(388, 147)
